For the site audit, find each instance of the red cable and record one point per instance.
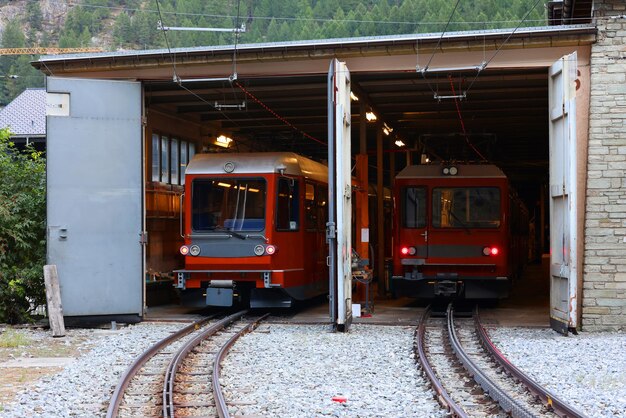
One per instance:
(458, 110)
(285, 121)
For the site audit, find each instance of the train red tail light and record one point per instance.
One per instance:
(270, 250)
(184, 250)
(408, 251)
(488, 251)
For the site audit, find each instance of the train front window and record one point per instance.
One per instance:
(414, 204)
(228, 204)
(466, 207)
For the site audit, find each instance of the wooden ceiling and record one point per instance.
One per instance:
(504, 113)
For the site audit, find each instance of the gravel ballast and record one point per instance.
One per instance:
(296, 371)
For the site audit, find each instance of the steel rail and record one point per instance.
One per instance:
(173, 366)
(218, 395)
(442, 395)
(557, 405)
(120, 389)
(508, 404)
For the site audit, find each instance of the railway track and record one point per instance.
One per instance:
(472, 378)
(179, 375)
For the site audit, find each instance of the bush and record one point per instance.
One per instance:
(22, 230)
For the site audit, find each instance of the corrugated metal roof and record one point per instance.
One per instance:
(329, 43)
(25, 116)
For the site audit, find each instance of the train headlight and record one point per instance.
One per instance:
(450, 171)
(184, 250)
(270, 250)
(194, 250)
(259, 250)
(491, 251)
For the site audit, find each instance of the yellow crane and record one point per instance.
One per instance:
(40, 50)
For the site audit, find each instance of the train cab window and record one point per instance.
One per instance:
(466, 207)
(228, 204)
(414, 207)
(287, 205)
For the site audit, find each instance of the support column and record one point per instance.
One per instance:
(380, 225)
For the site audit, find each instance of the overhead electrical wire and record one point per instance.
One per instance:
(458, 110)
(501, 45)
(276, 115)
(239, 85)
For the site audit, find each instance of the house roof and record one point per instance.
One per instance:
(25, 116)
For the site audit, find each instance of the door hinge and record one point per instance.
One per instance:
(143, 238)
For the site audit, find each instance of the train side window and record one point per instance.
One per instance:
(321, 192)
(287, 205)
(414, 207)
(310, 210)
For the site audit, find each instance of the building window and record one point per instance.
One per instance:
(165, 161)
(174, 163)
(156, 160)
(170, 158)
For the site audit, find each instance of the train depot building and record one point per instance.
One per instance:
(545, 105)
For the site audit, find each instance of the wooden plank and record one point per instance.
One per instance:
(53, 296)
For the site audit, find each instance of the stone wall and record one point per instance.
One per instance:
(604, 292)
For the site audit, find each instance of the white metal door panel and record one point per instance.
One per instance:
(343, 197)
(563, 195)
(339, 227)
(94, 184)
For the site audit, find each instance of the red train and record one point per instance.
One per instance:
(254, 229)
(459, 231)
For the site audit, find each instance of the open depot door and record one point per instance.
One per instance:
(563, 195)
(339, 227)
(95, 194)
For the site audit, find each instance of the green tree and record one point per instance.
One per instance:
(12, 37)
(34, 15)
(122, 30)
(22, 230)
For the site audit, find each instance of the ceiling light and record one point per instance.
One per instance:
(370, 116)
(223, 141)
(387, 129)
(400, 143)
(354, 97)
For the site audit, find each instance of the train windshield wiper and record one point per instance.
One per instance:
(230, 231)
(461, 222)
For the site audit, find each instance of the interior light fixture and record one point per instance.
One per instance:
(354, 97)
(387, 129)
(223, 141)
(400, 143)
(370, 116)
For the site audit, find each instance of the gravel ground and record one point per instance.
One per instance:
(296, 370)
(587, 370)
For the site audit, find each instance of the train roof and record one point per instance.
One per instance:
(257, 163)
(464, 170)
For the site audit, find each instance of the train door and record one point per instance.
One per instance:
(95, 194)
(563, 206)
(414, 222)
